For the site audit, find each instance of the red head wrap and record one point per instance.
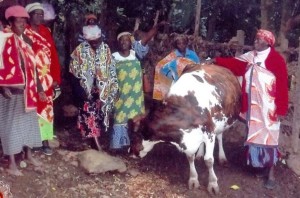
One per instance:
(266, 36)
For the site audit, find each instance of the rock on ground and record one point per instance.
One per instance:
(93, 161)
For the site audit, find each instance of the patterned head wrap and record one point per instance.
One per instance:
(49, 13)
(16, 11)
(123, 34)
(90, 16)
(91, 32)
(266, 36)
(34, 6)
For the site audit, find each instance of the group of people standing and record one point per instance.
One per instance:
(29, 73)
(112, 85)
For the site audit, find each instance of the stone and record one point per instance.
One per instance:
(133, 172)
(93, 161)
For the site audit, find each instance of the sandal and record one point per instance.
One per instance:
(47, 150)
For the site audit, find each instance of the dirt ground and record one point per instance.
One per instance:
(162, 173)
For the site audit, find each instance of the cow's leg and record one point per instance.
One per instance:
(209, 162)
(222, 156)
(193, 180)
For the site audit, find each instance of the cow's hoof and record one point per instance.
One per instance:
(193, 184)
(213, 188)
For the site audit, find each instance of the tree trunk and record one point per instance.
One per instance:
(296, 116)
(212, 20)
(264, 5)
(197, 19)
(285, 15)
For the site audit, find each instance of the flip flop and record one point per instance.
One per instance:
(270, 184)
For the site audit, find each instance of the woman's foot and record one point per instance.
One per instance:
(12, 167)
(270, 184)
(30, 159)
(34, 162)
(14, 171)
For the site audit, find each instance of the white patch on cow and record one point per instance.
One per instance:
(191, 139)
(148, 146)
(187, 82)
(220, 125)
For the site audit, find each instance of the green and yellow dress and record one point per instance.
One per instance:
(131, 100)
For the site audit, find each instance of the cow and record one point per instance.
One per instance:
(203, 103)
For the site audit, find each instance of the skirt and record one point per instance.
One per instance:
(119, 136)
(18, 128)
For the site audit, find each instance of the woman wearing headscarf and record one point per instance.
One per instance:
(264, 100)
(131, 99)
(48, 68)
(91, 63)
(170, 68)
(19, 85)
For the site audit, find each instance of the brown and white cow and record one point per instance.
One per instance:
(203, 103)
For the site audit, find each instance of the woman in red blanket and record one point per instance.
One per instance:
(264, 100)
(48, 70)
(19, 87)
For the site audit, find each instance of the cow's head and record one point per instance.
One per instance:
(140, 135)
(165, 123)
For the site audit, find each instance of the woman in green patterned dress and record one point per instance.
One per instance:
(131, 99)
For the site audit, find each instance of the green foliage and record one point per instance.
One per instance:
(182, 15)
(75, 10)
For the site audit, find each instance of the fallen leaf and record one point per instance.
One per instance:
(23, 164)
(235, 187)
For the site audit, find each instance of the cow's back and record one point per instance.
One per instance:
(216, 89)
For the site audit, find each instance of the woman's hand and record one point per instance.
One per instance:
(55, 84)
(42, 96)
(6, 92)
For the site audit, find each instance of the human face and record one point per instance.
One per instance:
(125, 43)
(95, 43)
(91, 21)
(37, 17)
(18, 25)
(181, 45)
(260, 44)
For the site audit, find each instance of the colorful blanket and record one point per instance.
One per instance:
(42, 53)
(263, 123)
(96, 68)
(168, 70)
(19, 68)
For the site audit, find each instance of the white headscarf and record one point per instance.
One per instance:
(123, 34)
(34, 6)
(91, 32)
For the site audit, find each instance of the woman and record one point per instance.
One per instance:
(131, 99)
(264, 100)
(48, 70)
(170, 68)
(18, 117)
(91, 63)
